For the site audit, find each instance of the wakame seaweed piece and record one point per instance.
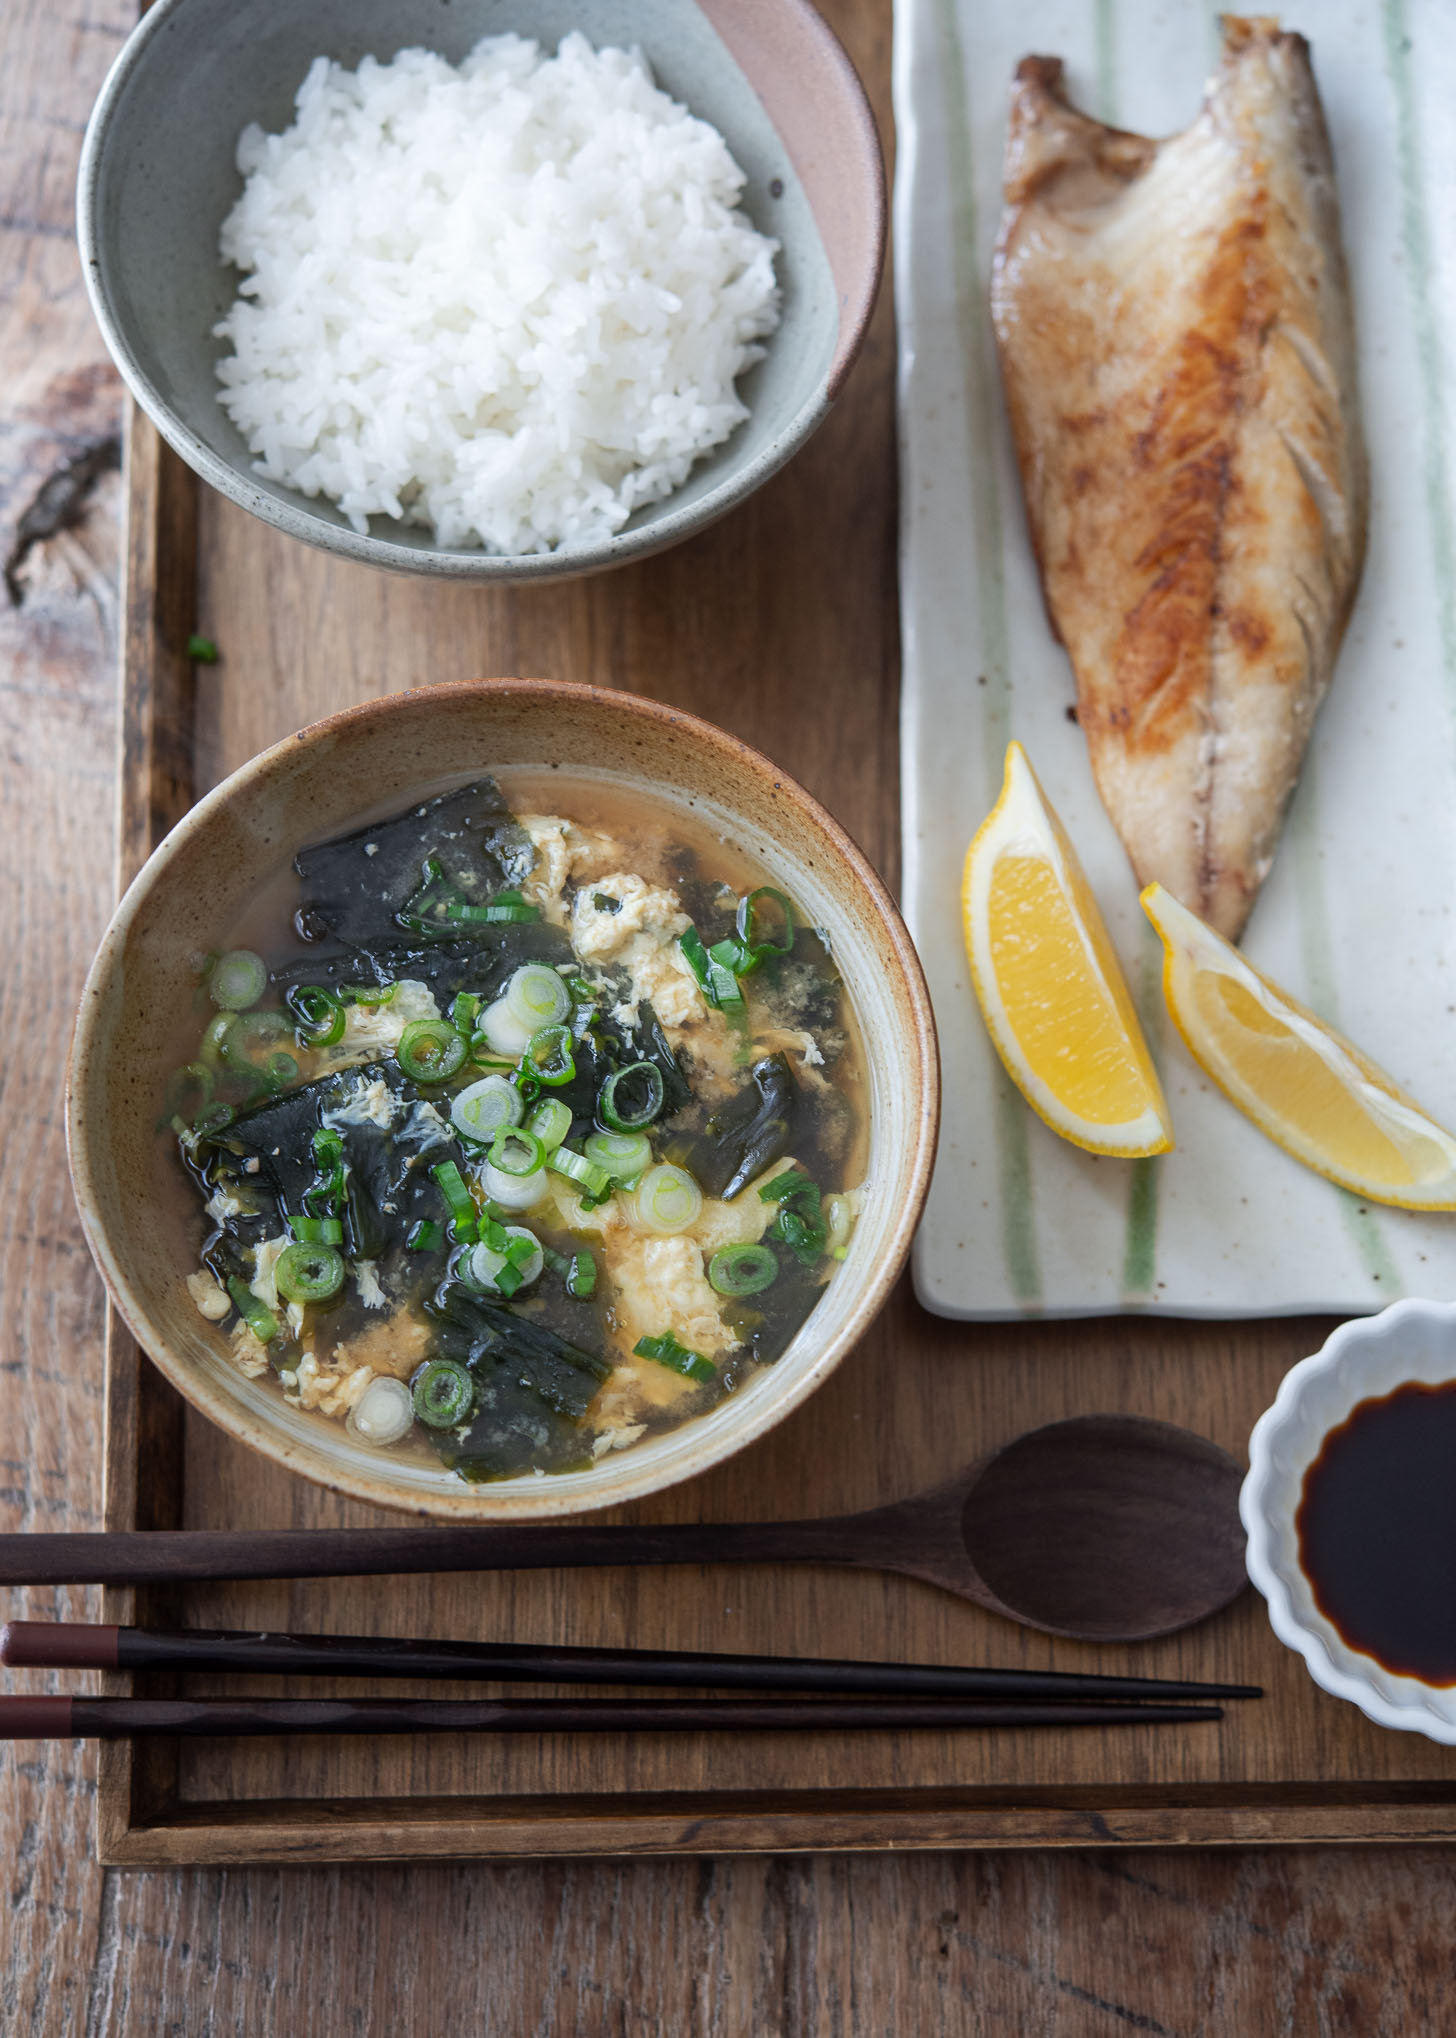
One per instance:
(532, 1388)
(507, 841)
(491, 1339)
(805, 990)
(386, 1189)
(511, 1431)
(646, 1041)
(357, 883)
(751, 1131)
(710, 905)
(766, 1322)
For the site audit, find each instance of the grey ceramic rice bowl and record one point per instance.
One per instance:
(158, 176)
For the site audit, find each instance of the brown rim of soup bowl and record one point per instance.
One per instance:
(319, 781)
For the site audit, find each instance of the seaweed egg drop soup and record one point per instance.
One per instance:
(526, 1123)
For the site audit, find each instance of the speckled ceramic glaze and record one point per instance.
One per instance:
(158, 177)
(1369, 1357)
(316, 784)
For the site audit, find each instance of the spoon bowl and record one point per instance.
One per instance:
(1108, 1527)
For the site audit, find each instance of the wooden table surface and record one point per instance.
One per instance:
(1239, 1943)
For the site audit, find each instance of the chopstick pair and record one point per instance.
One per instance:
(905, 1695)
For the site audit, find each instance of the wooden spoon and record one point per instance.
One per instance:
(1105, 1527)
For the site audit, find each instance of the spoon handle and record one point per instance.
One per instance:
(165, 1556)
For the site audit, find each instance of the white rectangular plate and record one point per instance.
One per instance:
(1359, 915)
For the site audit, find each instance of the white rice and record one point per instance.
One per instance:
(508, 301)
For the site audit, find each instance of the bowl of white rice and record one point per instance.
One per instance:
(484, 293)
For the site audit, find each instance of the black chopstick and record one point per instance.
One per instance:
(82, 1646)
(48, 1718)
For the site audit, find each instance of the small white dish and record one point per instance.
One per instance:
(1411, 1341)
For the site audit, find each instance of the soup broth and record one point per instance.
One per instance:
(526, 1123)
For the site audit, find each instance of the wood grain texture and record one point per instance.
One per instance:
(1197, 1945)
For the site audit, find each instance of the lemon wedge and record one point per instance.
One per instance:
(1049, 982)
(1306, 1086)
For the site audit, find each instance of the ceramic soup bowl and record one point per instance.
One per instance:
(318, 783)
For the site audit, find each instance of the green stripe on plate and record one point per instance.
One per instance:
(1140, 1248)
(1416, 241)
(1018, 1236)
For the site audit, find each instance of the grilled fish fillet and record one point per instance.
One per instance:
(1178, 352)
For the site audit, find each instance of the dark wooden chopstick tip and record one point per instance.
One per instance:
(40, 1644)
(49, 1718)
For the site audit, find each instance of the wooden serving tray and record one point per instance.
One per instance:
(780, 624)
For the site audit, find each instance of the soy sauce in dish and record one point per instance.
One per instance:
(1377, 1530)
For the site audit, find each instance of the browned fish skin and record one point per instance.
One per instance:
(1178, 352)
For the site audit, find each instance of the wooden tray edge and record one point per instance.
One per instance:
(141, 1821)
(260, 1831)
(154, 791)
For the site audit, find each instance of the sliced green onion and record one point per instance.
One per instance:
(253, 1310)
(281, 1069)
(770, 906)
(725, 991)
(581, 1276)
(242, 1083)
(537, 996)
(201, 650)
(426, 1237)
(800, 1223)
(631, 1097)
(514, 1192)
(429, 1050)
(668, 1352)
(699, 962)
(255, 1033)
(213, 1119)
(505, 1034)
(592, 1179)
(309, 1273)
(500, 911)
(215, 1038)
(742, 1269)
(319, 1014)
(480, 1110)
(735, 956)
(457, 1197)
(516, 1153)
(317, 1230)
(443, 1394)
(237, 980)
(719, 985)
(549, 1055)
(550, 1121)
(667, 1200)
(514, 1266)
(464, 1013)
(383, 1414)
(190, 1090)
(368, 994)
(839, 1223)
(623, 1155)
